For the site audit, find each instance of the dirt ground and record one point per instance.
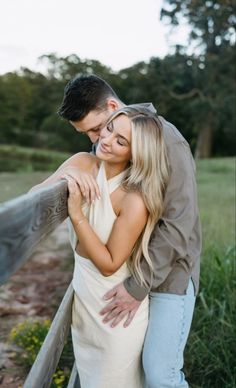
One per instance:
(34, 292)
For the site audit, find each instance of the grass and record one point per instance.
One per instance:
(211, 351)
(21, 168)
(216, 192)
(13, 184)
(14, 158)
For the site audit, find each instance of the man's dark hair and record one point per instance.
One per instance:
(84, 94)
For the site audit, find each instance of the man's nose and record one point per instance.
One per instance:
(94, 137)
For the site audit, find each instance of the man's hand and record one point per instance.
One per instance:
(122, 305)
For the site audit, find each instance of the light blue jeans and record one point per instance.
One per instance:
(169, 325)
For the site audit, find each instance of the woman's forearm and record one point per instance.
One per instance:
(97, 252)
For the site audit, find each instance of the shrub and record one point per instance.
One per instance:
(29, 337)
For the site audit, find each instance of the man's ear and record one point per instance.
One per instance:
(112, 104)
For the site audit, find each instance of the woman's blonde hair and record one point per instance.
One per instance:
(148, 174)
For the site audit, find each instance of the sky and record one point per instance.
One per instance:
(118, 34)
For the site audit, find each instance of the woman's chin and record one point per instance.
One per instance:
(101, 155)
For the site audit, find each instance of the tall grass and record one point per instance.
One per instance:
(210, 355)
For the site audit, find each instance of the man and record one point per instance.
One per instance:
(174, 247)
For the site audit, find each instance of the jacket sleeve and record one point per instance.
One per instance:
(170, 237)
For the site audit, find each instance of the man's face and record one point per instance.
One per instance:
(92, 123)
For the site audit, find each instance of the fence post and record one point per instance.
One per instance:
(25, 221)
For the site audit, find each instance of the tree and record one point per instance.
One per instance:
(212, 29)
(193, 92)
(15, 94)
(65, 68)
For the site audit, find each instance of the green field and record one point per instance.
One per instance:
(14, 158)
(211, 351)
(216, 193)
(21, 168)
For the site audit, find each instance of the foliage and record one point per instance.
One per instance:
(196, 93)
(29, 336)
(16, 158)
(212, 24)
(211, 350)
(212, 21)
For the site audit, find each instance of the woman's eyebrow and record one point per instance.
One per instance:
(110, 124)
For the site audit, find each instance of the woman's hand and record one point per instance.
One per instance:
(87, 183)
(74, 200)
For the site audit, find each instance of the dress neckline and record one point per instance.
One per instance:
(115, 177)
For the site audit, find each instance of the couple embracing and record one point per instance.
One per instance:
(134, 229)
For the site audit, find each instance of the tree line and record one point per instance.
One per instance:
(195, 92)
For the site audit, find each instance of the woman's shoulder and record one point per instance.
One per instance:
(133, 202)
(82, 157)
(83, 161)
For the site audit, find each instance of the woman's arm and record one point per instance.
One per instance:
(81, 168)
(127, 228)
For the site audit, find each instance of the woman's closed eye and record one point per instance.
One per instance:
(121, 142)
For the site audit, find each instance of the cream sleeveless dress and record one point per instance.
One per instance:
(105, 357)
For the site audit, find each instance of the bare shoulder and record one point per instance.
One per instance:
(133, 203)
(82, 160)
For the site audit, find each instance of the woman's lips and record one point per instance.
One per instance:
(103, 148)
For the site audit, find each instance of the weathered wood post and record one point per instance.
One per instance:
(24, 222)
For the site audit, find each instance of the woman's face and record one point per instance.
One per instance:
(115, 141)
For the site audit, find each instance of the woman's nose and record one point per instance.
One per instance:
(106, 136)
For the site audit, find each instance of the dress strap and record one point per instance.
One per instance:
(114, 182)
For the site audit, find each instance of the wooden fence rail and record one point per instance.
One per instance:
(24, 222)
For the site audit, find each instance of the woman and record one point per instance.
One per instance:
(109, 237)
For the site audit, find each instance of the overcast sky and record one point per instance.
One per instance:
(118, 34)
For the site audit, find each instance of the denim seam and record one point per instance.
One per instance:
(183, 312)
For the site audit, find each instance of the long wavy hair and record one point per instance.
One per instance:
(148, 174)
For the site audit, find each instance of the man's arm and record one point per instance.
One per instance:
(171, 234)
